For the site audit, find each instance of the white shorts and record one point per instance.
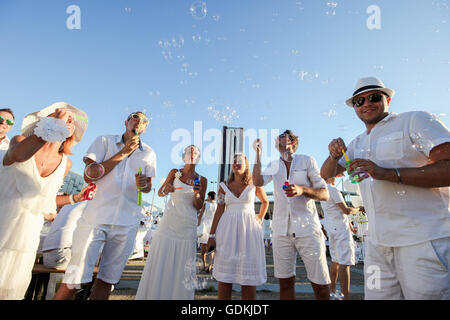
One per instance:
(118, 244)
(417, 272)
(342, 247)
(312, 250)
(57, 258)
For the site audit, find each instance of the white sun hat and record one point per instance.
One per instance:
(369, 84)
(81, 119)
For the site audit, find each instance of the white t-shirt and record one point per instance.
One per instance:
(336, 219)
(61, 231)
(4, 144)
(115, 199)
(297, 214)
(402, 215)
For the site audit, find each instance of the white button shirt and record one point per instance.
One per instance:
(402, 215)
(296, 214)
(115, 200)
(336, 219)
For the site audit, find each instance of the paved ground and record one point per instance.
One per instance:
(126, 289)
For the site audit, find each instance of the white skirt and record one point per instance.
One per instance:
(240, 256)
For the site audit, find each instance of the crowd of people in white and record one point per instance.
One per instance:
(400, 216)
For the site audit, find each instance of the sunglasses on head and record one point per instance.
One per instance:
(9, 122)
(137, 116)
(374, 97)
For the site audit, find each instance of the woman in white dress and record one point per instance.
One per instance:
(205, 219)
(237, 231)
(170, 270)
(31, 173)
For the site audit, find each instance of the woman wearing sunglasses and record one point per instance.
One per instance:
(31, 173)
(6, 124)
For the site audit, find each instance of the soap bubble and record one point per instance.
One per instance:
(198, 10)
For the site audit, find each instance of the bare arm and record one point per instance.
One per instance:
(199, 194)
(261, 194)
(22, 148)
(435, 174)
(320, 194)
(219, 211)
(167, 186)
(257, 177)
(346, 209)
(330, 168)
(111, 163)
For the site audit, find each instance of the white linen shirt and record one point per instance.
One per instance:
(115, 199)
(402, 215)
(296, 214)
(336, 219)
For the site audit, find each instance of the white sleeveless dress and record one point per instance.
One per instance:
(170, 270)
(24, 196)
(240, 256)
(207, 218)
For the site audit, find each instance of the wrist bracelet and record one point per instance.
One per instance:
(72, 201)
(398, 176)
(212, 236)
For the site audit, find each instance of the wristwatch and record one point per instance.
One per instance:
(212, 236)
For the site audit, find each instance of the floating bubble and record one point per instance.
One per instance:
(223, 114)
(127, 10)
(378, 67)
(332, 4)
(216, 18)
(196, 37)
(295, 52)
(401, 192)
(198, 10)
(330, 113)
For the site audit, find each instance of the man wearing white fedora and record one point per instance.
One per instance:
(407, 157)
(110, 221)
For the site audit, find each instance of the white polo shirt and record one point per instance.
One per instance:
(115, 199)
(402, 215)
(336, 219)
(297, 214)
(61, 230)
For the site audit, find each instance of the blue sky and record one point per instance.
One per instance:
(276, 63)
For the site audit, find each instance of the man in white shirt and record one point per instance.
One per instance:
(340, 237)
(113, 216)
(407, 157)
(295, 222)
(6, 124)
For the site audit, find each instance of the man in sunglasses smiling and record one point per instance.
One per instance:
(407, 157)
(112, 218)
(6, 124)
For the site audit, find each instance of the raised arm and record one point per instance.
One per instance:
(257, 177)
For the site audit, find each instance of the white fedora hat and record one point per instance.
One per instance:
(31, 120)
(369, 84)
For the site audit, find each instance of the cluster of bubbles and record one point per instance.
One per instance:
(223, 114)
(330, 113)
(378, 67)
(169, 48)
(305, 75)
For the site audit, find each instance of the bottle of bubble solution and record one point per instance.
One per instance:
(286, 185)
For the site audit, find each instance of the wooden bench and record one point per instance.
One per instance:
(40, 268)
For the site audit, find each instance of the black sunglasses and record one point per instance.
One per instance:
(374, 97)
(9, 122)
(137, 116)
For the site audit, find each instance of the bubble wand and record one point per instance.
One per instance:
(139, 193)
(355, 176)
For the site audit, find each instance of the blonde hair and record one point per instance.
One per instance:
(247, 177)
